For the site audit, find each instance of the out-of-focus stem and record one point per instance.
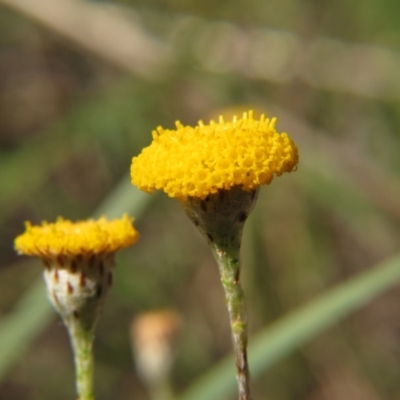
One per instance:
(161, 390)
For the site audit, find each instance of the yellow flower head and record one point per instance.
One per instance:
(70, 239)
(201, 160)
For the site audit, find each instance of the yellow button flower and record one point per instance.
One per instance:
(79, 261)
(201, 160)
(78, 273)
(67, 239)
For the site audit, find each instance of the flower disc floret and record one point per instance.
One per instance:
(82, 238)
(201, 160)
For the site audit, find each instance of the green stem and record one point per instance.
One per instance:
(82, 346)
(229, 268)
(220, 217)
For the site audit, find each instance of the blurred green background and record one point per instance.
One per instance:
(82, 85)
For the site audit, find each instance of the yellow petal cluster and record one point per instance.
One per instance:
(201, 160)
(70, 239)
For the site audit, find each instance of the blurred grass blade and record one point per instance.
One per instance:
(104, 119)
(23, 324)
(295, 329)
(125, 198)
(33, 311)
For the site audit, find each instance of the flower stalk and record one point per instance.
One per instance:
(82, 345)
(221, 217)
(229, 268)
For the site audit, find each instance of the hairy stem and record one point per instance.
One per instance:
(229, 268)
(220, 217)
(82, 345)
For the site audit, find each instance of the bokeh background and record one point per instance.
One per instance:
(82, 85)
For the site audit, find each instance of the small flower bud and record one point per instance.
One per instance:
(153, 335)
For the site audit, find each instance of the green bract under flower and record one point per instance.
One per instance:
(201, 160)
